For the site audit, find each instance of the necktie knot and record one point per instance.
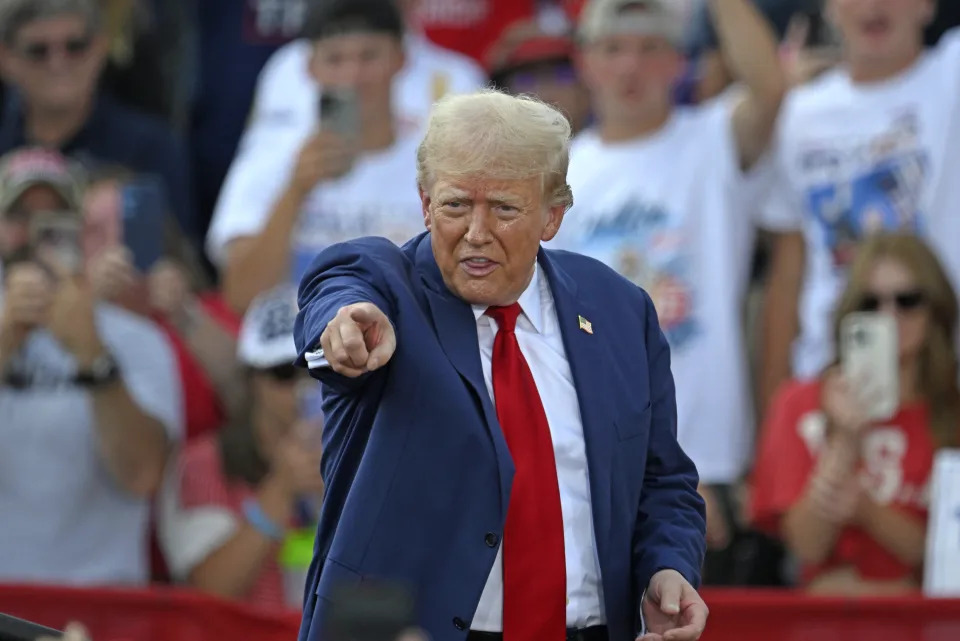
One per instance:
(506, 316)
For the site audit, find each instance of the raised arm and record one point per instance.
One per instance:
(749, 47)
(344, 330)
(671, 527)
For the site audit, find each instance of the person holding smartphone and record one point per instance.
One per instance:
(341, 176)
(843, 483)
(89, 397)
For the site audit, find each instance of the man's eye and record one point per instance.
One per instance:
(453, 204)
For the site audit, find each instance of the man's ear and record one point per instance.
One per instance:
(425, 201)
(554, 219)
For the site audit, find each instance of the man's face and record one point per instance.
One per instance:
(15, 222)
(362, 62)
(881, 30)
(486, 233)
(55, 62)
(630, 75)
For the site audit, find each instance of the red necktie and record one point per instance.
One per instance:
(534, 565)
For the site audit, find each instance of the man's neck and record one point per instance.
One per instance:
(54, 127)
(874, 71)
(614, 130)
(378, 134)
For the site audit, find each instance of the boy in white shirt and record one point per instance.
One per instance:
(869, 145)
(306, 189)
(661, 194)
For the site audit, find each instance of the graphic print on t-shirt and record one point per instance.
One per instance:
(855, 191)
(643, 242)
(319, 228)
(888, 467)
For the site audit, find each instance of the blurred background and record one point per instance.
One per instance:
(170, 167)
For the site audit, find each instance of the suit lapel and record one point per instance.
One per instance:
(456, 329)
(585, 353)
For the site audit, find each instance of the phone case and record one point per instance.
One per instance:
(869, 356)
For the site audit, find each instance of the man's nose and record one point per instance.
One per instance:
(348, 73)
(478, 233)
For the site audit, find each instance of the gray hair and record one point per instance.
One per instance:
(15, 14)
(499, 136)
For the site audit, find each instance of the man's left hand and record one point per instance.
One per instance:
(672, 609)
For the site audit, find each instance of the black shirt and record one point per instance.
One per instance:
(115, 134)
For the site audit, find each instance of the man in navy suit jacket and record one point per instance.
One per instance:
(433, 420)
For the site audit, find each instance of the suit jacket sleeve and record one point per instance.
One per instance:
(343, 274)
(671, 525)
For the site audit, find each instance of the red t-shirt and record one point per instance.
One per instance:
(203, 411)
(203, 484)
(896, 462)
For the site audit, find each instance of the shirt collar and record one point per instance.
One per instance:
(530, 302)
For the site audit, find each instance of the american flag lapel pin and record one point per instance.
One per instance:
(585, 325)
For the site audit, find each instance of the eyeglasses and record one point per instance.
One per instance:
(72, 48)
(904, 301)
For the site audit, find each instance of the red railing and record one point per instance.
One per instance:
(736, 615)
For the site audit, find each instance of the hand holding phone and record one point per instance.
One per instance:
(325, 156)
(55, 239)
(869, 356)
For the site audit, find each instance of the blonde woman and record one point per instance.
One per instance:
(848, 495)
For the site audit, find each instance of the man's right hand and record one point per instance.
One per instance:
(27, 301)
(359, 339)
(325, 156)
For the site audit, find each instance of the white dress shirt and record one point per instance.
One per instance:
(538, 333)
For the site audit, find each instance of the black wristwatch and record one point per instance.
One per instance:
(103, 371)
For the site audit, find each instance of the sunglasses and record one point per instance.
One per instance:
(282, 373)
(904, 301)
(42, 51)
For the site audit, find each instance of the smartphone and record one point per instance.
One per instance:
(869, 356)
(57, 236)
(339, 112)
(144, 210)
(14, 629)
(371, 611)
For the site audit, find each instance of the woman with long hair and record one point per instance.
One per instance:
(238, 497)
(849, 495)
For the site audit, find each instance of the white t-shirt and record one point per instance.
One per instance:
(377, 198)
(287, 95)
(64, 518)
(855, 158)
(669, 212)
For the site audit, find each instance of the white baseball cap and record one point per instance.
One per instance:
(266, 335)
(601, 18)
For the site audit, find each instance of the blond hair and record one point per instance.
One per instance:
(938, 358)
(499, 136)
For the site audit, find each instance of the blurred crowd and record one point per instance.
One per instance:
(763, 168)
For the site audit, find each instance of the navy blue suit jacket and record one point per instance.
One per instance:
(418, 472)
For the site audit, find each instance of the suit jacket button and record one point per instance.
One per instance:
(459, 624)
(491, 540)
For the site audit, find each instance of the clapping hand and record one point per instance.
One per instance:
(359, 339)
(672, 609)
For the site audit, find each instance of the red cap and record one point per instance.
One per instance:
(524, 43)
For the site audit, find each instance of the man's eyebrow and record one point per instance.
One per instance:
(452, 192)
